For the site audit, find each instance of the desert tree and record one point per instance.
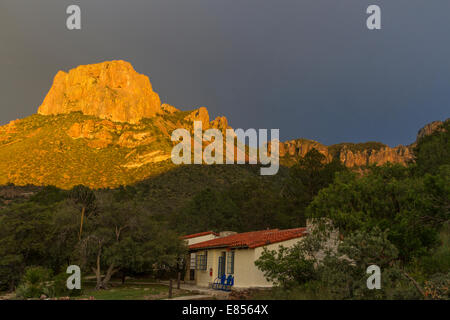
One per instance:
(84, 198)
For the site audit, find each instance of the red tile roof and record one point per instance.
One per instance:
(252, 239)
(200, 234)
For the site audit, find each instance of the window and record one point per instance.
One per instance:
(193, 261)
(201, 261)
(230, 262)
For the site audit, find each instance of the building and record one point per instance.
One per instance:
(230, 253)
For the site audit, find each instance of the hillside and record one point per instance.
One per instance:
(95, 128)
(69, 149)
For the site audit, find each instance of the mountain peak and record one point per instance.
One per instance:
(109, 90)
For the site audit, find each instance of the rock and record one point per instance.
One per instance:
(349, 157)
(151, 157)
(167, 108)
(400, 154)
(430, 128)
(97, 132)
(301, 147)
(220, 123)
(201, 114)
(131, 140)
(82, 130)
(101, 140)
(43, 297)
(110, 125)
(109, 90)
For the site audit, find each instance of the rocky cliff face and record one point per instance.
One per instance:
(201, 114)
(110, 90)
(399, 154)
(430, 128)
(350, 154)
(113, 90)
(357, 154)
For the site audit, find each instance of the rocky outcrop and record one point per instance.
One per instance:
(98, 134)
(110, 90)
(351, 155)
(399, 154)
(143, 159)
(220, 123)
(132, 140)
(430, 128)
(359, 154)
(300, 147)
(167, 108)
(201, 114)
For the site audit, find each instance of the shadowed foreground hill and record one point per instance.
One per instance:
(170, 190)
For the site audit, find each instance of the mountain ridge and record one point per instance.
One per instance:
(103, 126)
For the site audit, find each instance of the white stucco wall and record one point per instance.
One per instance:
(202, 277)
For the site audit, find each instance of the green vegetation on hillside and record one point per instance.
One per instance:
(39, 151)
(433, 151)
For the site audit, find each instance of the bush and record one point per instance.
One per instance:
(301, 272)
(387, 197)
(34, 283)
(438, 260)
(437, 287)
(39, 281)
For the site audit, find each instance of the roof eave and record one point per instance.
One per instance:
(219, 247)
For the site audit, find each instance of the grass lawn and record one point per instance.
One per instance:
(131, 292)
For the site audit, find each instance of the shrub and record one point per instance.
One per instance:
(39, 281)
(34, 283)
(437, 287)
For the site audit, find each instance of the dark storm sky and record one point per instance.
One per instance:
(308, 67)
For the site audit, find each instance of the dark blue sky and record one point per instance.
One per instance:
(308, 67)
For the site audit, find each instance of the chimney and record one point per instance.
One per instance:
(226, 233)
